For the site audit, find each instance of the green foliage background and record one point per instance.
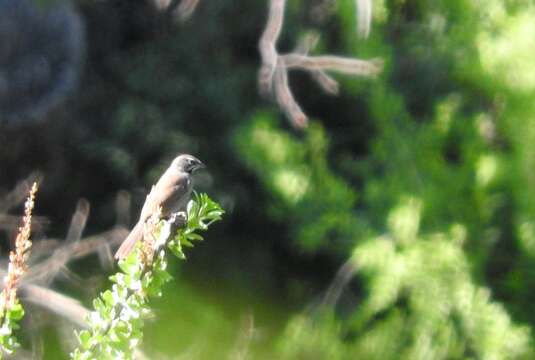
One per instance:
(422, 177)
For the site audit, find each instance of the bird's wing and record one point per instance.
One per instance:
(164, 192)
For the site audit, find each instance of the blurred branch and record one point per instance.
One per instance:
(304, 46)
(55, 302)
(19, 193)
(51, 300)
(267, 45)
(178, 10)
(246, 336)
(186, 9)
(273, 74)
(58, 260)
(334, 63)
(68, 252)
(11, 222)
(78, 221)
(122, 208)
(61, 305)
(51, 256)
(340, 281)
(364, 17)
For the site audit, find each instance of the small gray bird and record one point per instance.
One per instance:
(172, 192)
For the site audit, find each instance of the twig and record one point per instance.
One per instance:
(19, 193)
(10, 222)
(55, 302)
(122, 208)
(364, 17)
(334, 63)
(177, 9)
(246, 336)
(267, 45)
(185, 9)
(273, 73)
(340, 281)
(68, 252)
(56, 254)
(307, 43)
(285, 98)
(78, 221)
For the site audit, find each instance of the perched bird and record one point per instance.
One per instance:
(172, 193)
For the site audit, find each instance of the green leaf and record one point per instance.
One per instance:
(85, 339)
(16, 312)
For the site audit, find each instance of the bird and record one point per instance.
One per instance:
(172, 193)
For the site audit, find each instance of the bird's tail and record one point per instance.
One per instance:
(131, 240)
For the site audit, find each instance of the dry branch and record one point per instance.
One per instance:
(268, 43)
(273, 74)
(11, 222)
(49, 268)
(19, 193)
(51, 300)
(334, 63)
(51, 256)
(364, 17)
(78, 221)
(346, 272)
(178, 10)
(56, 303)
(247, 334)
(186, 9)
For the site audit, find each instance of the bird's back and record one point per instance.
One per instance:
(171, 192)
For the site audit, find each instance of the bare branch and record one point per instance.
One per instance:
(44, 247)
(273, 73)
(18, 194)
(327, 83)
(306, 44)
(11, 222)
(78, 221)
(340, 281)
(71, 251)
(177, 9)
(267, 45)
(338, 64)
(285, 98)
(247, 334)
(55, 302)
(364, 17)
(122, 208)
(185, 9)
(54, 255)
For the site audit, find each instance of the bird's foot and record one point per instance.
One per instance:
(178, 219)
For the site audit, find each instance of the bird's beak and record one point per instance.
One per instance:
(200, 165)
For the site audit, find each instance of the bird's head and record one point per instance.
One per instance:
(187, 163)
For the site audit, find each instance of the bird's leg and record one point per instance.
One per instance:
(173, 222)
(178, 220)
